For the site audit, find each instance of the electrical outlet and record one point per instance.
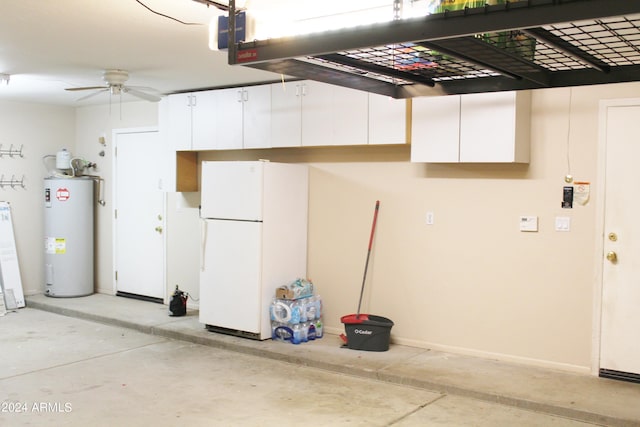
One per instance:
(429, 218)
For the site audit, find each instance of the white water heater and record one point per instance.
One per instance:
(68, 228)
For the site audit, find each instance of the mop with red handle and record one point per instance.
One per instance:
(366, 265)
(364, 319)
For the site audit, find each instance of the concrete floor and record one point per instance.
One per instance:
(103, 360)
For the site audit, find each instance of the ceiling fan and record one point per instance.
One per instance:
(115, 85)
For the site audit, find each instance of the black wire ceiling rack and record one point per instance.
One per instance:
(526, 44)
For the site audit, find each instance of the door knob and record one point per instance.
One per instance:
(612, 256)
(159, 229)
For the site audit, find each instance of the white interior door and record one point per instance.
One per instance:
(139, 217)
(620, 322)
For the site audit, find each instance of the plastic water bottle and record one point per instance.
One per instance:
(318, 328)
(274, 326)
(280, 310)
(281, 332)
(311, 331)
(318, 303)
(272, 310)
(298, 334)
(296, 314)
(310, 308)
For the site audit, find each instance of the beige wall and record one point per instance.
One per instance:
(42, 130)
(471, 282)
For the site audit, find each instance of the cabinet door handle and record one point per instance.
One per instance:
(193, 101)
(239, 96)
(245, 95)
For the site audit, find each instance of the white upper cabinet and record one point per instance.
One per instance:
(309, 113)
(243, 117)
(317, 118)
(221, 119)
(228, 118)
(190, 117)
(495, 127)
(256, 117)
(387, 120)
(178, 118)
(286, 114)
(435, 129)
(204, 127)
(349, 116)
(290, 114)
(475, 128)
(333, 115)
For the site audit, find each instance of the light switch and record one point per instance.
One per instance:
(528, 223)
(563, 223)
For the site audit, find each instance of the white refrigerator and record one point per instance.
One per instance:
(254, 239)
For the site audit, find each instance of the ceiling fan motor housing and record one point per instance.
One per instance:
(115, 77)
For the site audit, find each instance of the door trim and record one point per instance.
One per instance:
(599, 226)
(114, 138)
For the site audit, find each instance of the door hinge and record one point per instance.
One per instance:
(115, 152)
(115, 214)
(116, 275)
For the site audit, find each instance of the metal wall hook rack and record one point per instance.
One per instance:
(13, 182)
(11, 152)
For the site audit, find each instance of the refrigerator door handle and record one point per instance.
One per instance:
(203, 242)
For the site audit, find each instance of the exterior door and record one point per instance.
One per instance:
(620, 322)
(139, 214)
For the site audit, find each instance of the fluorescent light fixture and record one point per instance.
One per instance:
(281, 18)
(4, 79)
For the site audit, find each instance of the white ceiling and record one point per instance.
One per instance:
(49, 45)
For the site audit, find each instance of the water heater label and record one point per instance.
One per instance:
(55, 245)
(62, 194)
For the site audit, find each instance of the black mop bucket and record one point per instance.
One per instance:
(366, 331)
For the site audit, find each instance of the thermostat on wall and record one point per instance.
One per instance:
(528, 223)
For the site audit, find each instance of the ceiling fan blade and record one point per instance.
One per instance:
(72, 89)
(143, 95)
(91, 95)
(143, 88)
